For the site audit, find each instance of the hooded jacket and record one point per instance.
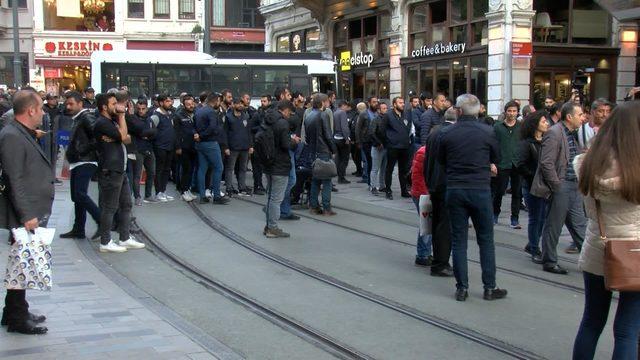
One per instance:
(283, 143)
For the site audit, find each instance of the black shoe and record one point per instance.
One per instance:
(389, 195)
(537, 259)
(531, 252)
(405, 195)
(33, 317)
(72, 235)
(343, 181)
(258, 191)
(356, 173)
(424, 261)
(291, 216)
(374, 192)
(462, 294)
(362, 181)
(204, 200)
(334, 189)
(494, 294)
(446, 272)
(221, 200)
(555, 269)
(27, 327)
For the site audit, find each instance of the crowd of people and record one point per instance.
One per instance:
(558, 159)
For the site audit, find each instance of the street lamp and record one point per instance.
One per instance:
(17, 61)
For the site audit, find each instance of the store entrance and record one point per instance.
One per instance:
(358, 85)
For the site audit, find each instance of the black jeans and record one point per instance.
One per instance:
(498, 188)
(356, 156)
(366, 149)
(400, 156)
(148, 160)
(115, 195)
(441, 234)
(80, 179)
(303, 184)
(256, 168)
(188, 160)
(163, 169)
(342, 158)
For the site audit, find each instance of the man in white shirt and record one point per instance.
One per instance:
(600, 111)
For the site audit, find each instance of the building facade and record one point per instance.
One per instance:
(236, 25)
(25, 24)
(496, 49)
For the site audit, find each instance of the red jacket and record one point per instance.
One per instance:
(418, 183)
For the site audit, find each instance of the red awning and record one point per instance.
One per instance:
(62, 62)
(161, 45)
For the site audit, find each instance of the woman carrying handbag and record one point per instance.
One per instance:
(609, 177)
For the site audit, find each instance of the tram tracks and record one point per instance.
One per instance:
(458, 330)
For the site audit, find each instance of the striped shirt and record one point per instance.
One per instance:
(573, 152)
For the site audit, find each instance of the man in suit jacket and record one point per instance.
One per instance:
(556, 181)
(28, 197)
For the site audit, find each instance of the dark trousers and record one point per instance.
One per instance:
(256, 168)
(115, 196)
(163, 169)
(400, 156)
(474, 203)
(187, 160)
(441, 234)
(499, 186)
(366, 149)
(148, 160)
(82, 202)
(16, 307)
(537, 213)
(356, 156)
(626, 325)
(342, 158)
(303, 184)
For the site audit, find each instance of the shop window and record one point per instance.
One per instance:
(479, 78)
(383, 84)
(541, 88)
(370, 46)
(442, 77)
(438, 10)
(459, 10)
(243, 14)
(161, 9)
(426, 78)
(358, 86)
(367, 35)
(135, 9)
(479, 8)
(571, 21)
(411, 78)
(459, 34)
(186, 9)
(459, 71)
(312, 37)
(79, 16)
(283, 44)
(370, 84)
(480, 33)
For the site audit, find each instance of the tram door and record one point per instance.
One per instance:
(138, 82)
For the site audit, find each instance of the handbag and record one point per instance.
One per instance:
(29, 263)
(621, 259)
(323, 169)
(426, 215)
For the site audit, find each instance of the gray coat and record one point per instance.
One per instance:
(552, 167)
(27, 174)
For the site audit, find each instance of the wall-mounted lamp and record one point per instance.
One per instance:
(629, 36)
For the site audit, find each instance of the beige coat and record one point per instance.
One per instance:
(621, 219)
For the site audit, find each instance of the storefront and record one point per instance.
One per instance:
(65, 63)
(447, 49)
(361, 50)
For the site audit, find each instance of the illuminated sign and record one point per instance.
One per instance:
(347, 61)
(439, 49)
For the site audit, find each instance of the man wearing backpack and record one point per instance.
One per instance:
(272, 145)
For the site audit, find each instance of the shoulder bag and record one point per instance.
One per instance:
(621, 259)
(323, 169)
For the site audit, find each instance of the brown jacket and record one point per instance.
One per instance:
(552, 166)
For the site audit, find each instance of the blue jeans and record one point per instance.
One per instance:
(626, 325)
(209, 155)
(82, 202)
(424, 242)
(537, 213)
(276, 185)
(474, 203)
(285, 206)
(326, 190)
(378, 166)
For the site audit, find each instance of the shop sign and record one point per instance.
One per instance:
(521, 49)
(439, 49)
(53, 73)
(76, 48)
(36, 78)
(347, 61)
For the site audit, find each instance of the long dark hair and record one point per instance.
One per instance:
(619, 138)
(530, 124)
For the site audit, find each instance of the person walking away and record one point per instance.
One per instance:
(600, 111)
(534, 126)
(209, 128)
(163, 145)
(378, 150)
(467, 151)
(557, 182)
(28, 195)
(256, 120)
(508, 134)
(419, 188)
(274, 142)
(321, 146)
(142, 133)
(397, 132)
(83, 163)
(186, 138)
(113, 184)
(610, 174)
(436, 178)
(342, 139)
(240, 144)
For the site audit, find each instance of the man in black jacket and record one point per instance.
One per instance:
(256, 120)
(185, 145)
(468, 150)
(432, 117)
(363, 135)
(240, 143)
(83, 163)
(142, 133)
(28, 198)
(278, 172)
(397, 131)
(89, 101)
(113, 184)
(163, 145)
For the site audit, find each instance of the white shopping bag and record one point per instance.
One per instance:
(29, 263)
(426, 218)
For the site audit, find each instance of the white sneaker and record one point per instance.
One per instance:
(169, 197)
(112, 247)
(131, 244)
(207, 194)
(162, 197)
(193, 197)
(186, 197)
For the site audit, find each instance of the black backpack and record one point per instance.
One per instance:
(265, 146)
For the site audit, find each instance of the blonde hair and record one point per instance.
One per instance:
(361, 107)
